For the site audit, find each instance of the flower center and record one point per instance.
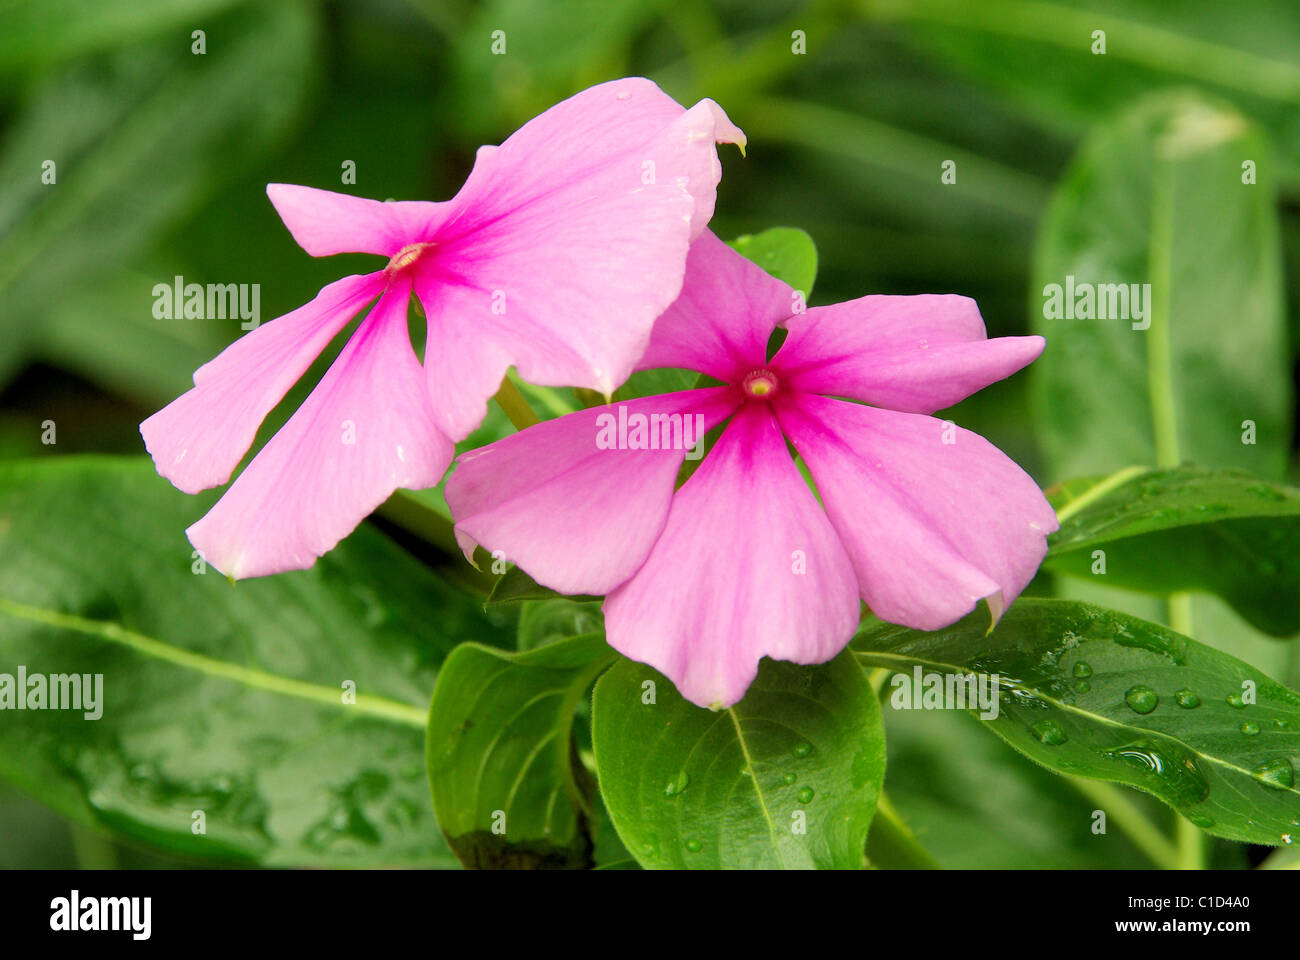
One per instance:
(759, 384)
(406, 256)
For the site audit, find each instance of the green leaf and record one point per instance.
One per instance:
(224, 699)
(787, 253)
(787, 778)
(515, 585)
(547, 621)
(506, 786)
(1104, 695)
(138, 141)
(1222, 531)
(1157, 197)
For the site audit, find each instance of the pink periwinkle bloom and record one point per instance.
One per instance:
(556, 256)
(919, 518)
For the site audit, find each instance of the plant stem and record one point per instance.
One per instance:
(891, 844)
(510, 400)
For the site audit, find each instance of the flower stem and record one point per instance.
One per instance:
(510, 400)
(891, 844)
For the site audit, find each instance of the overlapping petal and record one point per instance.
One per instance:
(724, 316)
(365, 430)
(199, 438)
(935, 517)
(577, 517)
(747, 566)
(916, 354)
(574, 232)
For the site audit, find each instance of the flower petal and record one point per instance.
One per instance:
(325, 223)
(932, 526)
(469, 350)
(199, 438)
(721, 322)
(747, 566)
(578, 226)
(363, 432)
(916, 354)
(577, 517)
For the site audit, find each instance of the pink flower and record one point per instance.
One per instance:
(918, 518)
(563, 246)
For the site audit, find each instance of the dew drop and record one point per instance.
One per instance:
(1250, 728)
(675, 787)
(1141, 699)
(788, 779)
(805, 795)
(1082, 670)
(1187, 699)
(1234, 700)
(1082, 686)
(1049, 732)
(1275, 773)
(802, 748)
(1201, 820)
(693, 846)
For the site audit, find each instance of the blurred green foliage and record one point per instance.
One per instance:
(162, 155)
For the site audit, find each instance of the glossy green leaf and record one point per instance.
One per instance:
(1157, 197)
(787, 778)
(1221, 531)
(787, 253)
(1103, 695)
(230, 700)
(507, 787)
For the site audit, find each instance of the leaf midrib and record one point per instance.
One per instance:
(368, 704)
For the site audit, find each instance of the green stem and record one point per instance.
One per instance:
(1164, 424)
(891, 844)
(510, 400)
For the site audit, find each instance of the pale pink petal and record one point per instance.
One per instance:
(363, 432)
(199, 438)
(579, 518)
(325, 223)
(747, 566)
(916, 354)
(932, 526)
(724, 316)
(575, 230)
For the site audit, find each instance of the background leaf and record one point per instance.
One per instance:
(220, 698)
(787, 253)
(1157, 197)
(689, 788)
(1189, 528)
